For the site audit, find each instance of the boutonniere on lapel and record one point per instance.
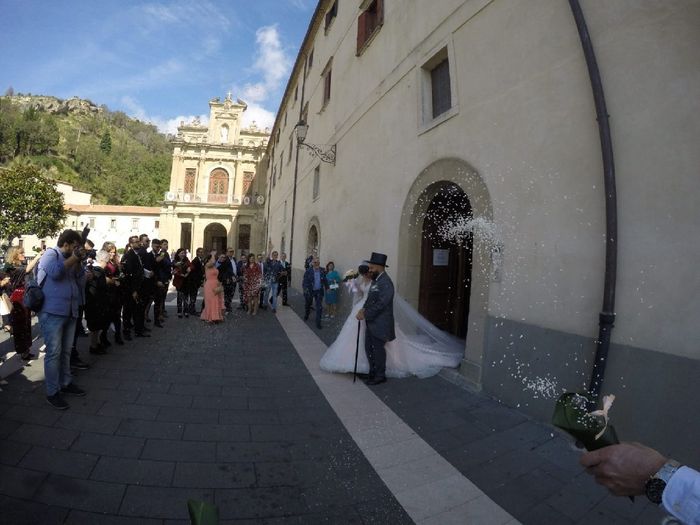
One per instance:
(374, 288)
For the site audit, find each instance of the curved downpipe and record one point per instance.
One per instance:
(606, 318)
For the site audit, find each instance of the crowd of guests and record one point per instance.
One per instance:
(105, 292)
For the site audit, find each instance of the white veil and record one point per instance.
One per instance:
(426, 336)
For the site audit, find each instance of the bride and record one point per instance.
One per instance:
(419, 349)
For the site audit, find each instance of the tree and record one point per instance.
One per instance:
(29, 203)
(106, 143)
(10, 92)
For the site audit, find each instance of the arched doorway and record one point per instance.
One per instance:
(427, 185)
(312, 241)
(446, 266)
(215, 237)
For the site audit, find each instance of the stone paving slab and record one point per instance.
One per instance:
(227, 414)
(230, 414)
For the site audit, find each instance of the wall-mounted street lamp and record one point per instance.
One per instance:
(326, 156)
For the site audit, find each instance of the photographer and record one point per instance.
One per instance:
(62, 275)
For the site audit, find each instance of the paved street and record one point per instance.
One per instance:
(239, 415)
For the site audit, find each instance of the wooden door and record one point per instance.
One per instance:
(445, 280)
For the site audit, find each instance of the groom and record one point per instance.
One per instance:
(378, 314)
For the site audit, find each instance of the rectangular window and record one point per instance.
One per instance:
(330, 15)
(274, 176)
(157, 224)
(291, 146)
(440, 88)
(368, 23)
(134, 224)
(281, 159)
(91, 222)
(327, 75)
(285, 118)
(113, 224)
(296, 92)
(190, 174)
(309, 61)
(244, 237)
(284, 215)
(21, 243)
(317, 182)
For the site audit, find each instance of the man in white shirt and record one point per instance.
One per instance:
(631, 469)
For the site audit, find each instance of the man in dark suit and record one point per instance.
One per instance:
(284, 278)
(314, 284)
(228, 272)
(134, 309)
(378, 314)
(195, 279)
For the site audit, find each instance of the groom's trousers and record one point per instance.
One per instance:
(376, 355)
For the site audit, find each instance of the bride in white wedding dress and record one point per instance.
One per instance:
(422, 353)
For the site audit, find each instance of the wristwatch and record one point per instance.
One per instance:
(656, 484)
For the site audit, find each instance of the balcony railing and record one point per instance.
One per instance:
(208, 198)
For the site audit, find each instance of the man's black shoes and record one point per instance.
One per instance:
(144, 334)
(375, 381)
(73, 390)
(57, 402)
(79, 364)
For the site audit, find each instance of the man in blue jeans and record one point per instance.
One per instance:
(273, 267)
(61, 274)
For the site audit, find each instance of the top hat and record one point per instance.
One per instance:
(378, 258)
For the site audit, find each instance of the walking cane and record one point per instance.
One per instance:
(357, 350)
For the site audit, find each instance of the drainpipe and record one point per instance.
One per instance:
(606, 318)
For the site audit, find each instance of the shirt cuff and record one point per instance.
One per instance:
(681, 497)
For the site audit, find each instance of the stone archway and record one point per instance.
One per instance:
(215, 237)
(429, 184)
(313, 238)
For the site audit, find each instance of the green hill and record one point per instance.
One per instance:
(118, 159)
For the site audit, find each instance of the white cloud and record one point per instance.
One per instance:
(271, 62)
(258, 114)
(202, 14)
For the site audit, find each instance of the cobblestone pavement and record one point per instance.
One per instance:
(229, 414)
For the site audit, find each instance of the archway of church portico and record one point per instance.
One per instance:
(215, 237)
(445, 280)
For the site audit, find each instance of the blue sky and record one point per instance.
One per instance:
(160, 61)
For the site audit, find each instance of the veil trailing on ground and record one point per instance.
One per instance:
(425, 336)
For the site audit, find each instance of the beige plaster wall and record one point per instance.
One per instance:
(524, 120)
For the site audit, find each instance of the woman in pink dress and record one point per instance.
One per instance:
(213, 295)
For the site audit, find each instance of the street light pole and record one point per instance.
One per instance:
(296, 171)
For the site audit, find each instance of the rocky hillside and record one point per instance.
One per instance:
(118, 159)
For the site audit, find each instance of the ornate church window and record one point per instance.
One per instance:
(218, 186)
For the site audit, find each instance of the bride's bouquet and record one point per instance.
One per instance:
(350, 275)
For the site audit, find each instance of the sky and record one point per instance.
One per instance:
(159, 61)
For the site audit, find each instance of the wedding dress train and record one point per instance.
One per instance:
(422, 353)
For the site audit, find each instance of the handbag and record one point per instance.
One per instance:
(219, 290)
(17, 296)
(5, 304)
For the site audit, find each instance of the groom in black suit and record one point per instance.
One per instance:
(378, 314)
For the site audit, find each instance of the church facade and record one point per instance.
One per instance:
(460, 138)
(216, 200)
